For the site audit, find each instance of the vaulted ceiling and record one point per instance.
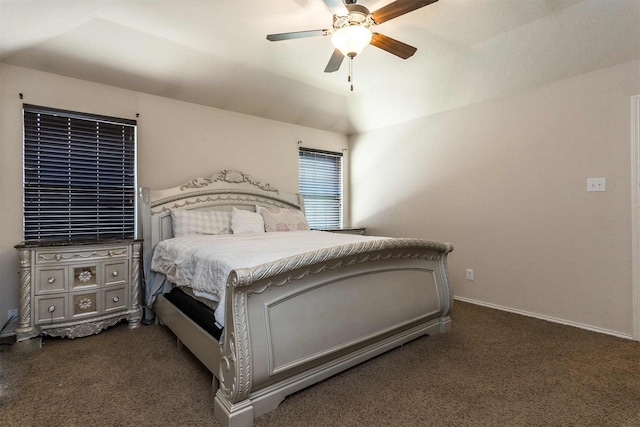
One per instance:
(214, 52)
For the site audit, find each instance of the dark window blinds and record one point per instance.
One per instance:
(79, 176)
(321, 187)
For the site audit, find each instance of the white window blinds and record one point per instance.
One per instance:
(321, 187)
(79, 176)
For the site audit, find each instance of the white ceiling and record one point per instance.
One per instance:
(214, 52)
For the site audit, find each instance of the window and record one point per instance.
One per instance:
(79, 176)
(321, 187)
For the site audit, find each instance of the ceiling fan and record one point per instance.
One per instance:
(351, 33)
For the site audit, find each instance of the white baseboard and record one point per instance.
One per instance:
(9, 333)
(543, 317)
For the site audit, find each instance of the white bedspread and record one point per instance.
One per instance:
(203, 263)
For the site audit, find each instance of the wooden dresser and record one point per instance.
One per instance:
(79, 289)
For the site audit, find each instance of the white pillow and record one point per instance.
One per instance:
(246, 222)
(188, 222)
(282, 219)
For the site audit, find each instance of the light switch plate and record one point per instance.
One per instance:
(596, 184)
(469, 274)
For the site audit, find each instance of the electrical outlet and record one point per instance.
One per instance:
(12, 313)
(469, 274)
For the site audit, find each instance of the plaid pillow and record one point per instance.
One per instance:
(188, 222)
(282, 219)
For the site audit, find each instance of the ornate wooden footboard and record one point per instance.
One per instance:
(296, 321)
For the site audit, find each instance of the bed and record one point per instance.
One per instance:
(292, 321)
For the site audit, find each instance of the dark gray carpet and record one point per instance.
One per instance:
(493, 369)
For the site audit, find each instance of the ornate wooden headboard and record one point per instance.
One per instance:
(221, 191)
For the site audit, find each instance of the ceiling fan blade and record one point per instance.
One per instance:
(337, 7)
(393, 46)
(398, 8)
(297, 35)
(334, 62)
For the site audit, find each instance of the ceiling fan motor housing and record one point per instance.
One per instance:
(358, 15)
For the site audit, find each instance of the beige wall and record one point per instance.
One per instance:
(505, 182)
(176, 141)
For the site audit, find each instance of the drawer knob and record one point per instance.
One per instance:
(115, 274)
(116, 299)
(51, 308)
(51, 280)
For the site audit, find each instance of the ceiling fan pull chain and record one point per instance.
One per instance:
(350, 78)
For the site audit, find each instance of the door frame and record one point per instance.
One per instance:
(635, 212)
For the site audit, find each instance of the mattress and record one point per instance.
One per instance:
(196, 310)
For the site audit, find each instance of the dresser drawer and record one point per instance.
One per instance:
(84, 275)
(50, 256)
(51, 280)
(83, 304)
(50, 309)
(115, 272)
(115, 299)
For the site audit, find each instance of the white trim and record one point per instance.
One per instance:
(542, 317)
(7, 334)
(635, 209)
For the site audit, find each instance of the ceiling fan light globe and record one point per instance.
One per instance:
(351, 40)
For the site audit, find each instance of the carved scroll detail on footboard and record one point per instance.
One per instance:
(236, 367)
(340, 256)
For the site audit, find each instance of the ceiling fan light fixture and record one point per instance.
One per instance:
(351, 40)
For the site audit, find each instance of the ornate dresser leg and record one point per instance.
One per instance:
(25, 329)
(134, 319)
